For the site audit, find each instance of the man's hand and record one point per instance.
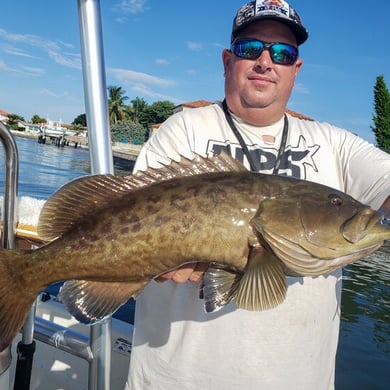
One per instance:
(192, 271)
(385, 208)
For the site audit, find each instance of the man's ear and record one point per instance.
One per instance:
(226, 57)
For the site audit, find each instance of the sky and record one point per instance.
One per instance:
(171, 50)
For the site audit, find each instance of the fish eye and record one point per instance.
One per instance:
(335, 200)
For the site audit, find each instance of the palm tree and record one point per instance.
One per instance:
(117, 109)
(138, 109)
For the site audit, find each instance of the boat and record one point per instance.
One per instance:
(55, 129)
(53, 350)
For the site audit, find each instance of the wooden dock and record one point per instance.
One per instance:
(124, 153)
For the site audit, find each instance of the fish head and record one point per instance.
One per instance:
(315, 230)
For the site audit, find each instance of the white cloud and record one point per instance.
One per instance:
(301, 88)
(4, 67)
(62, 96)
(162, 61)
(66, 59)
(52, 48)
(143, 84)
(47, 92)
(218, 45)
(194, 45)
(130, 6)
(131, 77)
(191, 71)
(121, 20)
(142, 90)
(33, 71)
(12, 50)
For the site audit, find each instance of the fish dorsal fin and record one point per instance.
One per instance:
(75, 200)
(82, 196)
(198, 165)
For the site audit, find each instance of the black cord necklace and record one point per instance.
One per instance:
(245, 148)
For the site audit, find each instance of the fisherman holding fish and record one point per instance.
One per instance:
(257, 207)
(177, 345)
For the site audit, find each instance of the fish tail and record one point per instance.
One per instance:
(15, 298)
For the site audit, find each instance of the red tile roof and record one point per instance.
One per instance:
(196, 103)
(298, 115)
(204, 103)
(4, 113)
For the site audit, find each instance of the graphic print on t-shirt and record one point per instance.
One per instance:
(295, 160)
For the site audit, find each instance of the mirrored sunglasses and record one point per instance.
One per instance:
(251, 49)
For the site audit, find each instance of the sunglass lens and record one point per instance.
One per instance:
(283, 54)
(248, 49)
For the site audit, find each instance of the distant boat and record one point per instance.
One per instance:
(55, 129)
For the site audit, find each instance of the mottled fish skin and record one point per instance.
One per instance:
(158, 228)
(117, 234)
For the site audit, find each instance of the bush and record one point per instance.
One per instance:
(128, 131)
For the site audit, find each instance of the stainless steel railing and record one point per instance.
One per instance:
(10, 194)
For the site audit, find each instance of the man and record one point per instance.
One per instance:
(176, 344)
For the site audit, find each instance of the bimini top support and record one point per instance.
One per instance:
(99, 141)
(95, 89)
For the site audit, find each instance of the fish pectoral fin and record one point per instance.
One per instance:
(91, 302)
(263, 285)
(219, 288)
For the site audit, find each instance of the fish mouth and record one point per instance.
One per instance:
(303, 263)
(359, 225)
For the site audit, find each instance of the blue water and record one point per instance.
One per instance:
(43, 169)
(363, 359)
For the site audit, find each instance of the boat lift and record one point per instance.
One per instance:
(97, 348)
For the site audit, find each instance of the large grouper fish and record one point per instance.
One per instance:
(109, 236)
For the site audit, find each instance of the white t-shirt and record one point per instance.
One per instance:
(177, 345)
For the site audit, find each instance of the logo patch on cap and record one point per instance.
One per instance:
(272, 7)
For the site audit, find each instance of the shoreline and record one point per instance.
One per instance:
(120, 150)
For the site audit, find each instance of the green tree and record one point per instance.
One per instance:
(160, 111)
(138, 109)
(381, 118)
(128, 131)
(37, 119)
(80, 120)
(13, 121)
(139, 112)
(117, 109)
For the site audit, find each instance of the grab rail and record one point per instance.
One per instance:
(96, 105)
(10, 186)
(10, 193)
